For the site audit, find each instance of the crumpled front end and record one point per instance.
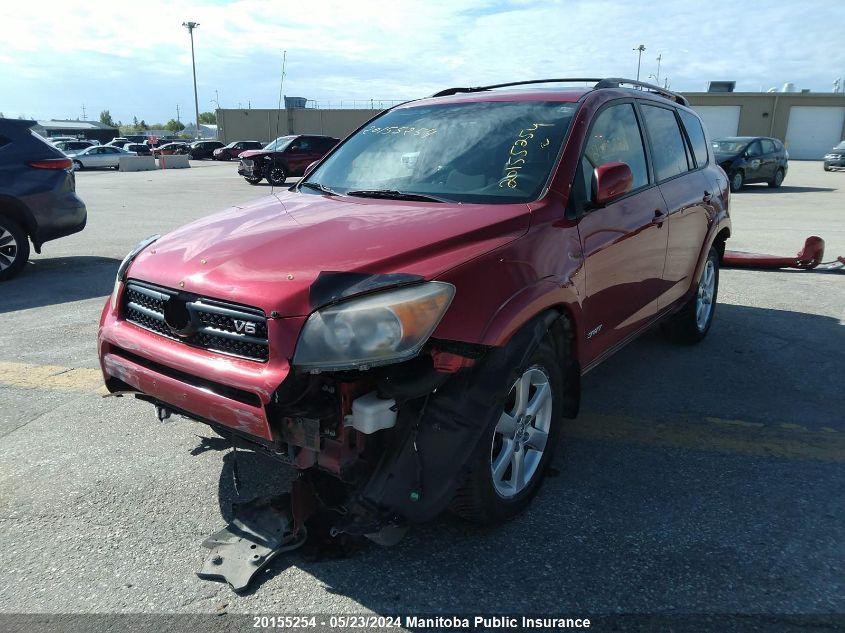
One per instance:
(218, 368)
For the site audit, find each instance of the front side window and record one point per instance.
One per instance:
(669, 153)
(493, 152)
(695, 133)
(615, 137)
(768, 146)
(755, 149)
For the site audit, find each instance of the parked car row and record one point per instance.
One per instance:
(99, 156)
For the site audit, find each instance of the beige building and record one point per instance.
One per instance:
(809, 124)
(266, 125)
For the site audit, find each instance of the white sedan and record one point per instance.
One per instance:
(99, 156)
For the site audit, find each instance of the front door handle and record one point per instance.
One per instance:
(707, 196)
(659, 218)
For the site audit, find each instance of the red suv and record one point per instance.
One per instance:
(407, 326)
(286, 156)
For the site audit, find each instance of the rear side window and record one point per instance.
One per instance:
(668, 151)
(696, 136)
(615, 137)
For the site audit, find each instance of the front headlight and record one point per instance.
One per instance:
(124, 266)
(385, 327)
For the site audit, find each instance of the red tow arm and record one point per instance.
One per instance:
(808, 258)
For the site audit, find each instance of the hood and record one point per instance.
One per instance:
(256, 152)
(268, 253)
(721, 157)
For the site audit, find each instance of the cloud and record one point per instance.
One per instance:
(135, 59)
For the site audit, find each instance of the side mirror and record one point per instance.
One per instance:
(294, 148)
(310, 168)
(611, 181)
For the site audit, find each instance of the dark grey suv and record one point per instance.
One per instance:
(38, 200)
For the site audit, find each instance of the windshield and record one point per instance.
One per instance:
(840, 146)
(729, 146)
(489, 152)
(280, 144)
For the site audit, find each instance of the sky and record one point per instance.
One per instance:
(134, 58)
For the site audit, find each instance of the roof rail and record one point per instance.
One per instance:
(616, 82)
(454, 91)
(612, 82)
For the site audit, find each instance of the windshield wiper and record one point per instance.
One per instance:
(319, 187)
(392, 194)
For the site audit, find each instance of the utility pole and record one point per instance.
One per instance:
(639, 48)
(178, 120)
(191, 26)
(659, 57)
(84, 118)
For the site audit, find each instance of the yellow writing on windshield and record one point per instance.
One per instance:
(518, 153)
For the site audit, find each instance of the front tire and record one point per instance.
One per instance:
(737, 181)
(276, 174)
(14, 248)
(514, 452)
(692, 322)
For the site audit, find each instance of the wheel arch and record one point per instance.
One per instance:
(553, 318)
(18, 211)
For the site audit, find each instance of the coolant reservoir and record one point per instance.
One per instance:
(370, 413)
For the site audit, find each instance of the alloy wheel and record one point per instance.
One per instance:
(522, 433)
(8, 248)
(704, 297)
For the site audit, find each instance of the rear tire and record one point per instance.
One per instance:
(737, 181)
(778, 180)
(692, 322)
(514, 452)
(14, 248)
(78, 166)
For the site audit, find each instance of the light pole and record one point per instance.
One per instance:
(639, 48)
(191, 26)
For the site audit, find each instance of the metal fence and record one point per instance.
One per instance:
(353, 104)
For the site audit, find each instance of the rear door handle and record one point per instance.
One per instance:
(659, 218)
(707, 196)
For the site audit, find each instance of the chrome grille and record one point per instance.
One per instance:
(213, 325)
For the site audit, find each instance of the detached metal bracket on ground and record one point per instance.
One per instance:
(261, 530)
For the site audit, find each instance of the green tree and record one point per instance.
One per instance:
(208, 118)
(174, 126)
(142, 126)
(105, 118)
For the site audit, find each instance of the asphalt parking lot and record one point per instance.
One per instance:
(707, 479)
